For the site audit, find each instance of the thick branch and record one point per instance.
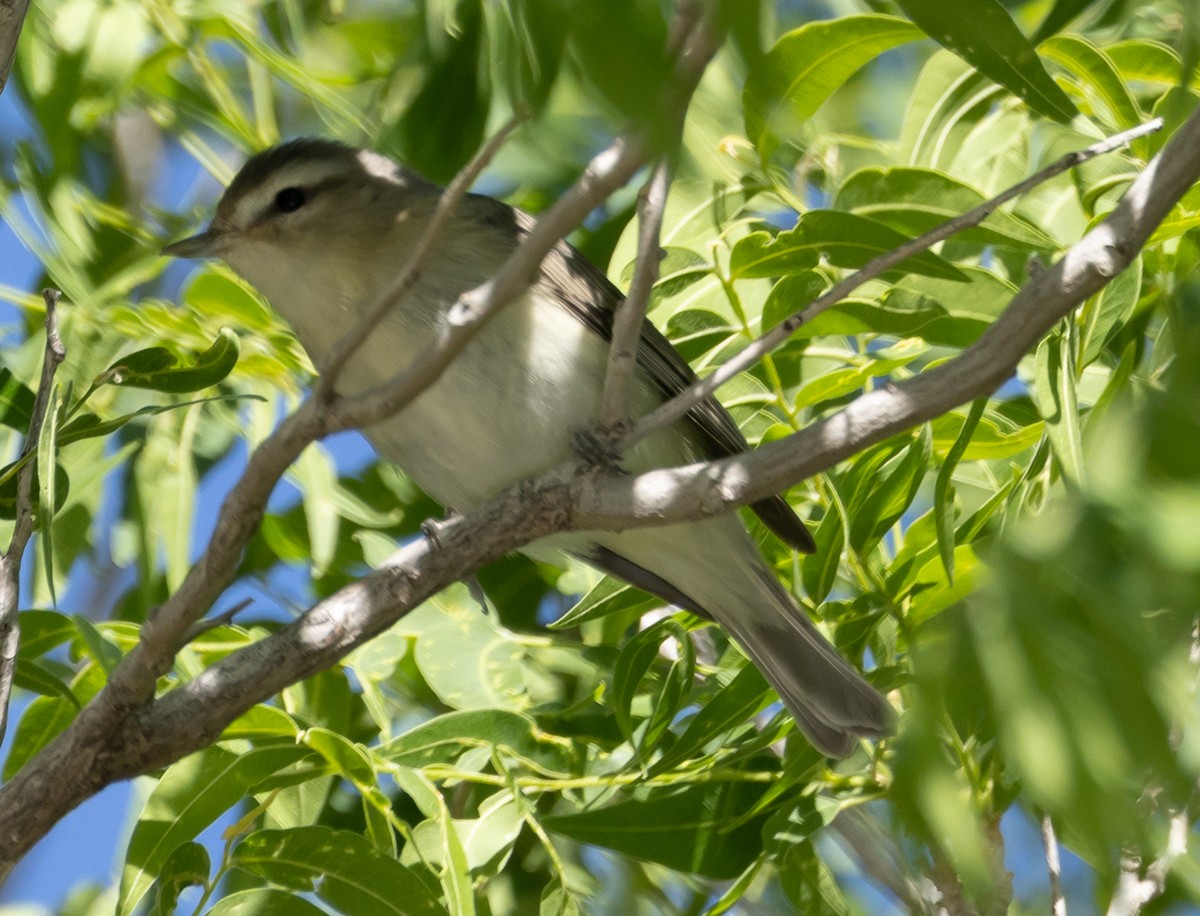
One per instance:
(679, 494)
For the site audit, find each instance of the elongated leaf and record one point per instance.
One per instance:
(634, 664)
(949, 101)
(943, 492)
(983, 34)
(1107, 311)
(1060, 15)
(470, 661)
(16, 402)
(41, 631)
(735, 705)
(191, 795)
(86, 425)
(444, 739)
(608, 596)
(1093, 68)
(806, 66)
(39, 678)
(820, 569)
(888, 499)
(264, 901)
(1054, 392)
(844, 239)
(913, 201)
(158, 370)
(342, 868)
(685, 830)
(187, 866)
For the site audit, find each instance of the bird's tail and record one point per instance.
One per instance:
(832, 703)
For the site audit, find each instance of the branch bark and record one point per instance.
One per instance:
(12, 17)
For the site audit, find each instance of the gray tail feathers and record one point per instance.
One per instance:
(832, 703)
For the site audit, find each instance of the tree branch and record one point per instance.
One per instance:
(12, 17)
(698, 490)
(678, 406)
(631, 313)
(10, 563)
(1058, 903)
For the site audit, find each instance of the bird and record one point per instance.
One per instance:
(323, 229)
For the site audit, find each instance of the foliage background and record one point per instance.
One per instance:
(1023, 574)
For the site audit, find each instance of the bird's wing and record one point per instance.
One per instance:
(589, 295)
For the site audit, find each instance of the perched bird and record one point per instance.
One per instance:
(322, 230)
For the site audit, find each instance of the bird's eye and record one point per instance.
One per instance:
(290, 200)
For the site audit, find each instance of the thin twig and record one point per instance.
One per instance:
(678, 406)
(10, 563)
(348, 345)
(1058, 903)
(200, 627)
(631, 313)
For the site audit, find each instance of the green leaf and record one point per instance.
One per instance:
(1059, 17)
(949, 101)
(844, 239)
(157, 369)
(46, 717)
(914, 201)
(86, 425)
(1101, 82)
(8, 489)
(681, 829)
(761, 254)
(634, 664)
(16, 402)
(468, 659)
(847, 240)
(983, 34)
(99, 646)
(187, 866)
(528, 39)
(943, 491)
(608, 596)
(191, 795)
(264, 901)
(41, 631)
(819, 569)
(735, 704)
(39, 678)
(443, 740)
(1106, 313)
(443, 123)
(890, 497)
(1057, 401)
(787, 85)
(342, 868)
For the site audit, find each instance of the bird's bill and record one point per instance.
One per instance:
(205, 244)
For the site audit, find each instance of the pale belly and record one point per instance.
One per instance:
(505, 409)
